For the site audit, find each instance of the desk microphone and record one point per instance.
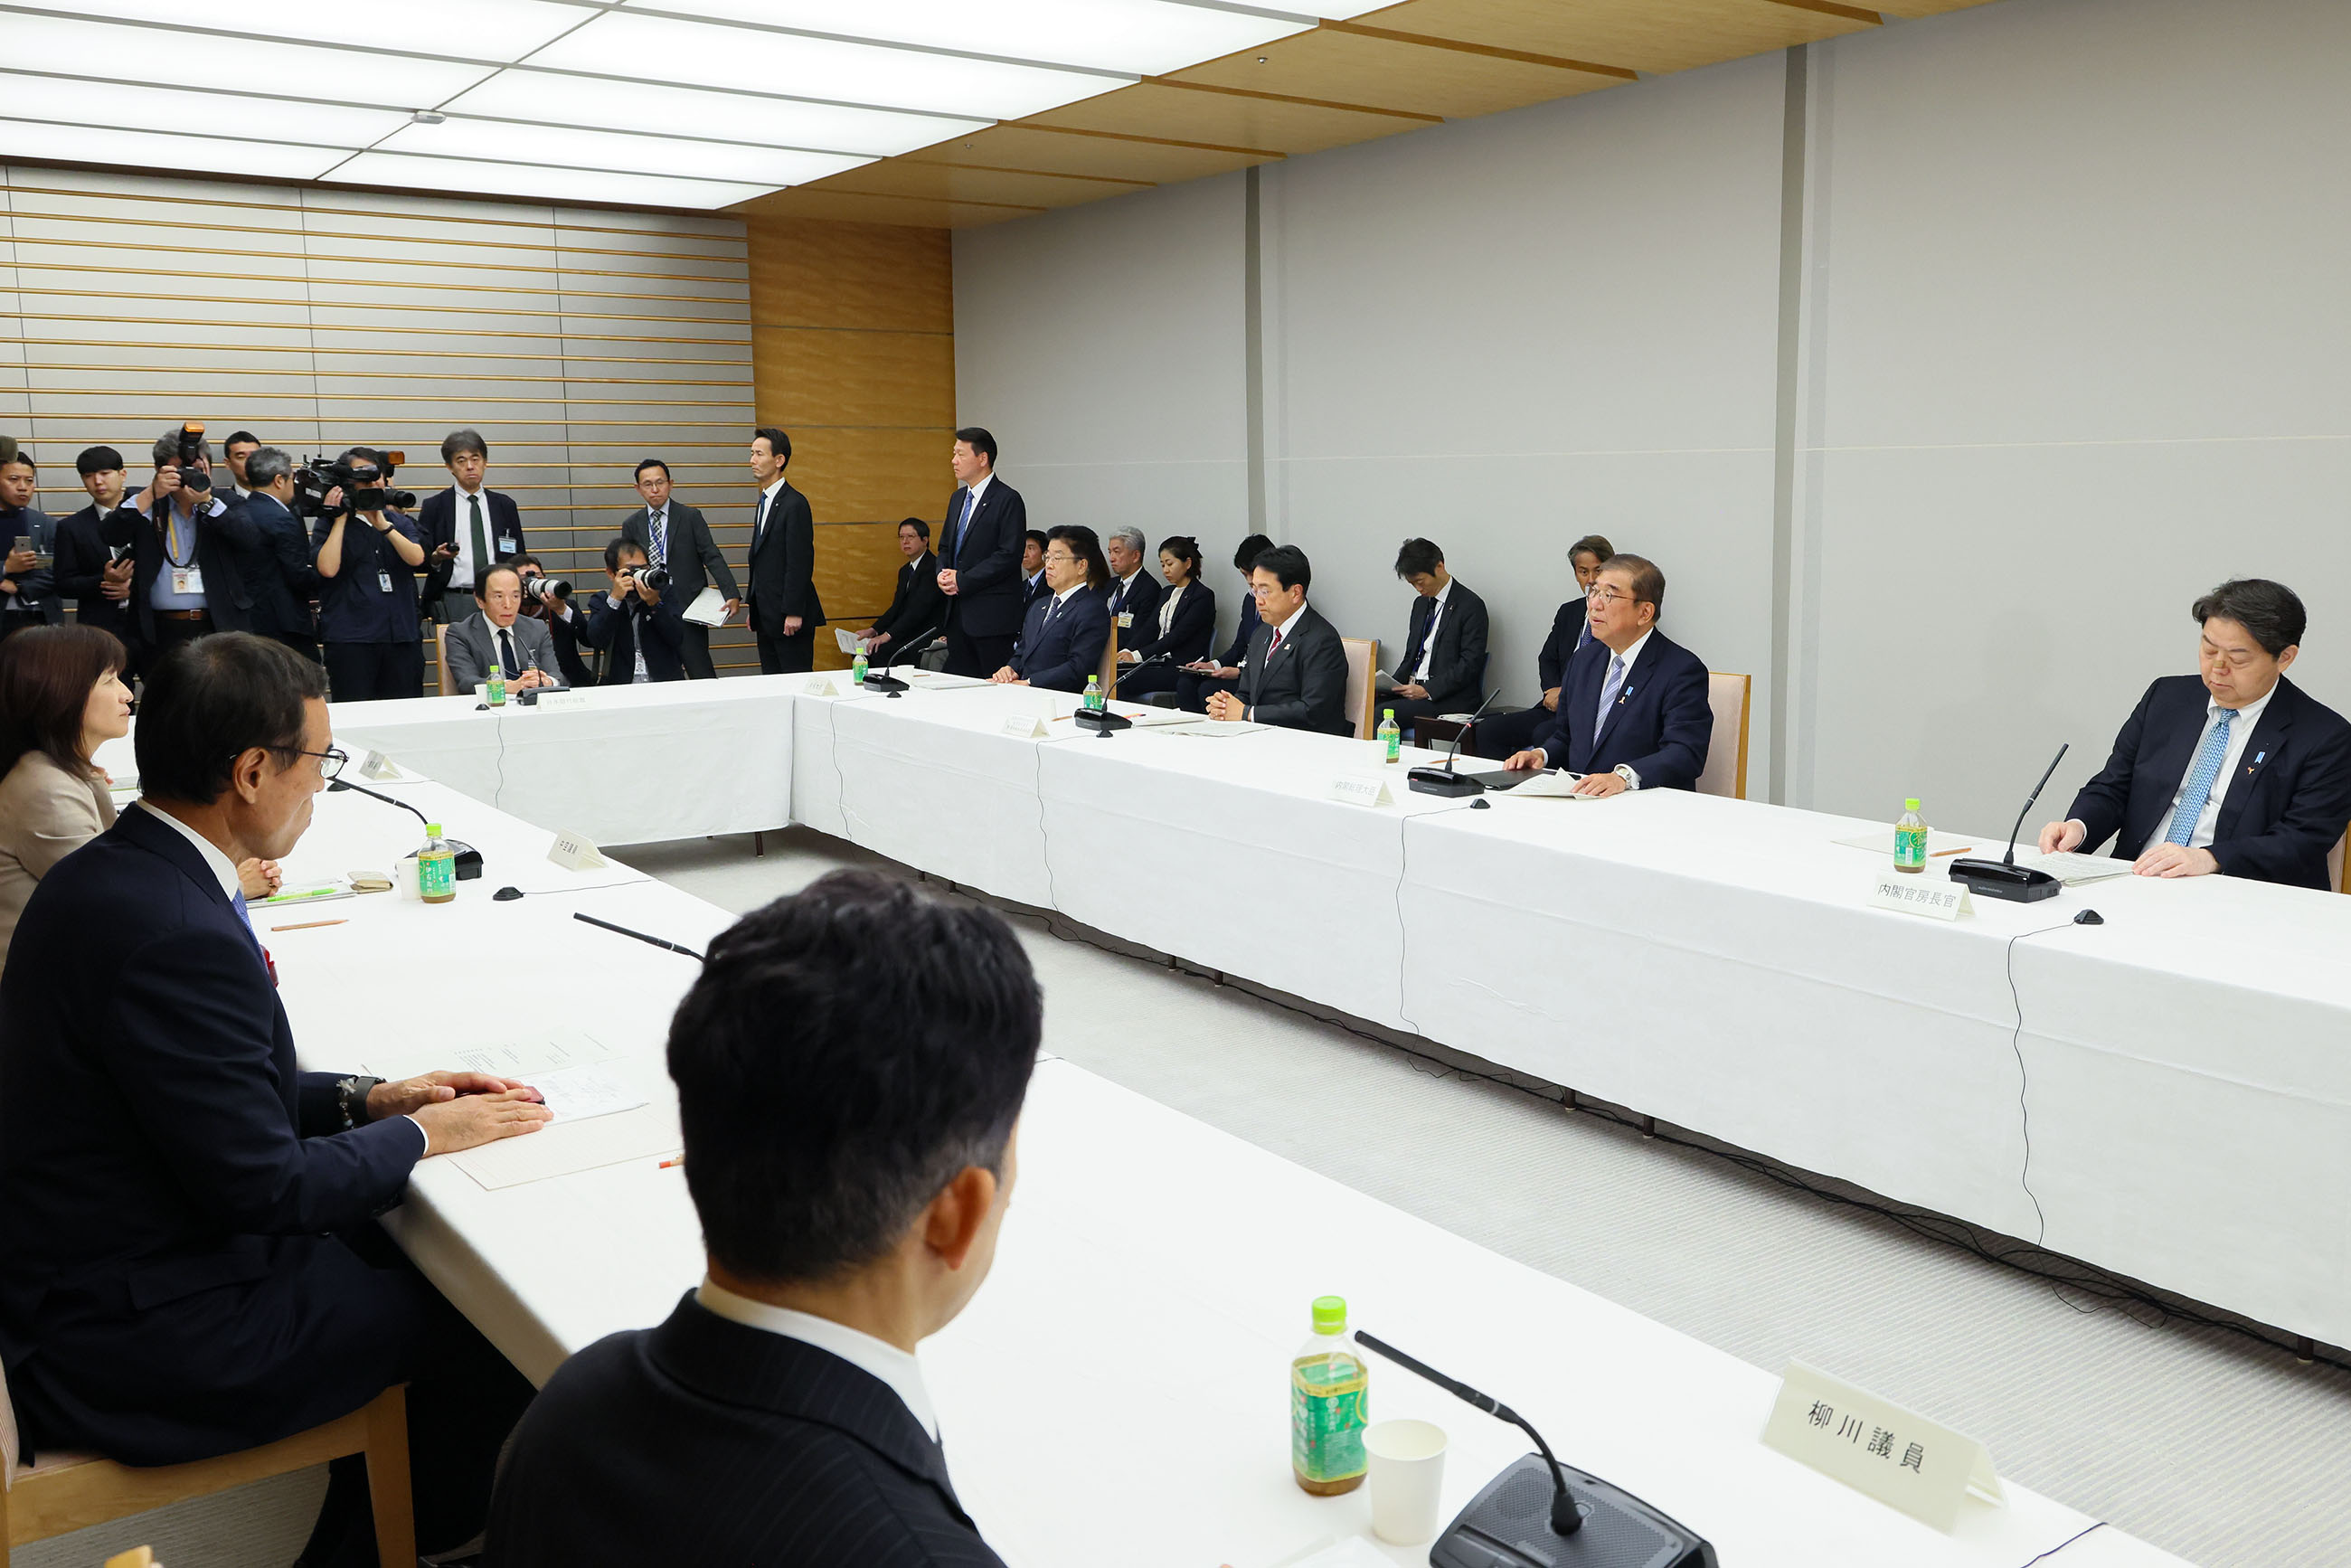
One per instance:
(1434, 780)
(1102, 721)
(375, 795)
(886, 682)
(468, 862)
(2003, 878)
(656, 941)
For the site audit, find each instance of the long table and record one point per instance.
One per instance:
(1117, 1392)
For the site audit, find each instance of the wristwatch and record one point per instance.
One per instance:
(351, 1096)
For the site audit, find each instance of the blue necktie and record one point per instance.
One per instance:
(2199, 787)
(246, 914)
(1608, 695)
(962, 522)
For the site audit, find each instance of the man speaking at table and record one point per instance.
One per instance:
(172, 1188)
(1632, 708)
(1295, 672)
(850, 1064)
(979, 559)
(2237, 769)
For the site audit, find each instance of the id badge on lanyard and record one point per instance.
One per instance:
(187, 579)
(383, 579)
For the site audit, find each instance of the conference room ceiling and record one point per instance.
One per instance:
(940, 113)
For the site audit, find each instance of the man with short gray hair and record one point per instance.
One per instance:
(187, 550)
(1134, 593)
(279, 577)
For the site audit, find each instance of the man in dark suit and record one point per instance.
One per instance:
(1500, 735)
(500, 635)
(1444, 665)
(279, 577)
(1032, 569)
(917, 608)
(466, 527)
(780, 1417)
(676, 536)
(89, 570)
(1134, 593)
(1061, 642)
(1196, 684)
(785, 612)
(1634, 712)
(29, 587)
(639, 628)
(1295, 674)
(566, 624)
(188, 549)
(2236, 770)
(979, 559)
(186, 1216)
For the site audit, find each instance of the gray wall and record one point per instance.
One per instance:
(2060, 347)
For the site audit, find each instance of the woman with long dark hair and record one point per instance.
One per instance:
(1180, 630)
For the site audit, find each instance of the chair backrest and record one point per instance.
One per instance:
(1109, 670)
(1363, 659)
(11, 1450)
(1725, 754)
(440, 653)
(2335, 864)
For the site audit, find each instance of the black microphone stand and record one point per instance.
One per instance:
(468, 864)
(883, 681)
(2003, 878)
(1433, 780)
(1104, 722)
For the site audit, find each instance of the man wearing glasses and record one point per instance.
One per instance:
(1632, 708)
(193, 1269)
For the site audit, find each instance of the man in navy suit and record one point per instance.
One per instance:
(1443, 669)
(192, 1269)
(2237, 770)
(640, 628)
(278, 575)
(1134, 594)
(467, 529)
(979, 559)
(781, 591)
(1032, 569)
(850, 1067)
(1295, 672)
(1061, 642)
(1499, 734)
(1632, 708)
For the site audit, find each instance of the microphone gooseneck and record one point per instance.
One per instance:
(2009, 858)
(375, 795)
(1462, 740)
(1566, 1518)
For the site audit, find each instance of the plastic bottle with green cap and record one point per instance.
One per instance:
(436, 867)
(1910, 838)
(1327, 1404)
(1390, 735)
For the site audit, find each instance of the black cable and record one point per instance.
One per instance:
(2061, 1546)
(2016, 1045)
(1404, 874)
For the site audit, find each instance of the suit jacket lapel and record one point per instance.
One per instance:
(1632, 677)
(2263, 748)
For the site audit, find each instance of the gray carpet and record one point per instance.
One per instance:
(2227, 1453)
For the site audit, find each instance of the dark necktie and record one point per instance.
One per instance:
(505, 652)
(963, 520)
(481, 544)
(658, 527)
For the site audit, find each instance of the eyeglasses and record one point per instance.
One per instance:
(331, 761)
(1063, 557)
(1602, 594)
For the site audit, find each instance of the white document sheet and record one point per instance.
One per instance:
(1549, 787)
(561, 1148)
(2074, 867)
(577, 1094)
(708, 608)
(845, 639)
(500, 1059)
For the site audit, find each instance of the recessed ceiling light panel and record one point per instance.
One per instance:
(467, 178)
(565, 147)
(151, 150)
(660, 109)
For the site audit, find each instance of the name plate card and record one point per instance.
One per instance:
(574, 851)
(550, 701)
(820, 686)
(1027, 725)
(1361, 789)
(375, 766)
(1896, 1455)
(1914, 893)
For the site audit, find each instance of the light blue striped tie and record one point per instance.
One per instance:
(2199, 787)
(1608, 695)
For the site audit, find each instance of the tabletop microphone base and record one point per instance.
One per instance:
(1443, 780)
(1999, 879)
(1102, 721)
(876, 682)
(1508, 1525)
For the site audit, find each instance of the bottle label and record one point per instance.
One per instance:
(1395, 739)
(437, 875)
(1328, 1412)
(1910, 846)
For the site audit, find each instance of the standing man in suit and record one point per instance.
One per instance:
(1499, 734)
(1061, 642)
(278, 575)
(1032, 569)
(2236, 770)
(466, 527)
(193, 1267)
(1133, 591)
(638, 626)
(1634, 712)
(28, 582)
(1295, 674)
(499, 633)
(979, 559)
(675, 536)
(785, 612)
(846, 1221)
(188, 549)
(917, 608)
(1196, 682)
(1444, 662)
(239, 447)
(93, 573)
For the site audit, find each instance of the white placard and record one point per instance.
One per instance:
(820, 686)
(1027, 725)
(1878, 1448)
(375, 765)
(1914, 893)
(1361, 789)
(558, 702)
(574, 851)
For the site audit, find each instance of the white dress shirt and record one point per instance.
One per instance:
(1167, 602)
(896, 1368)
(464, 570)
(1418, 675)
(2240, 730)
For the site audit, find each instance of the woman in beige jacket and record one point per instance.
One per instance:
(61, 695)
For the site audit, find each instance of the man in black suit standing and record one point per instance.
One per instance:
(1295, 673)
(278, 575)
(917, 608)
(89, 570)
(2235, 770)
(979, 559)
(1633, 708)
(1444, 663)
(193, 1267)
(779, 1415)
(638, 626)
(676, 536)
(785, 612)
(467, 529)
(1499, 734)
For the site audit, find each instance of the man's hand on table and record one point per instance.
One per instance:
(2174, 860)
(1227, 707)
(2060, 838)
(461, 1110)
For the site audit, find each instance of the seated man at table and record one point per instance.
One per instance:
(496, 633)
(192, 1263)
(1633, 705)
(850, 1064)
(1499, 734)
(2236, 770)
(639, 626)
(1295, 673)
(1444, 662)
(1062, 641)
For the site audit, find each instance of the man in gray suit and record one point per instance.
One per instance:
(521, 646)
(675, 535)
(1295, 672)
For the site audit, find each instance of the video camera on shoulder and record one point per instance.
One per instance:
(364, 485)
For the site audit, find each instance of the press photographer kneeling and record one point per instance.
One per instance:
(498, 633)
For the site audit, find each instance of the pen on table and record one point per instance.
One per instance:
(1939, 854)
(673, 1161)
(308, 926)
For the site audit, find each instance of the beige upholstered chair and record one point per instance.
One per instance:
(1725, 754)
(1363, 663)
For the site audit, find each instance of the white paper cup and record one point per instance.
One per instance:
(1405, 1472)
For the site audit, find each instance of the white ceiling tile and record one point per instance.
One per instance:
(114, 53)
(136, 105)
(561, 184)
(658, 108)
(470, 29)
(158, 150)
(563, 146)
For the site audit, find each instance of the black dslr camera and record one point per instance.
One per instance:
(192, 451)
(654, 577)
(363, 484)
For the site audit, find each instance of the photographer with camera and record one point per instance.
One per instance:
(28, 589)
(279, 577)
(187, 550)
(368, 559)
(677, 537)
(639, 624)
(92, 571)
(547, 601)
(496, 634)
